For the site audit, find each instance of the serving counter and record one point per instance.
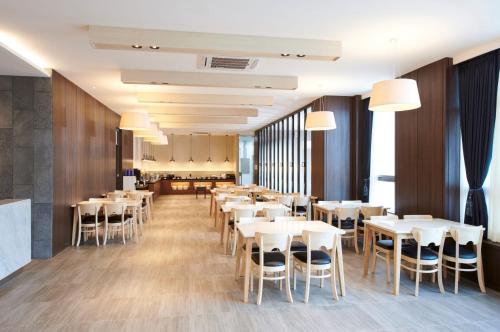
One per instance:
(188, 186)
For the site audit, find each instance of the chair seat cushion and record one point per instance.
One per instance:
(271, 259)
(463, 251)
(298, 246)
(301, 209)
(318, 257)
(91, 219)
(425, 253)
(115, 218)
(346, 224)
(255, 247)
(386, 244)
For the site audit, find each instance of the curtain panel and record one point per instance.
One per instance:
(478, 82)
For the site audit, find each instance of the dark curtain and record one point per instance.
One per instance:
(478, 84)
(365, 149)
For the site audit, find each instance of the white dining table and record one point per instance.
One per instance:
(226, 213)
(294, 228)
(329, 209)
(132, 204)
(219, 200)
(398, 230)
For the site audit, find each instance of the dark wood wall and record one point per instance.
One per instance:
(428, 147)
(333, 155)
(84, 152)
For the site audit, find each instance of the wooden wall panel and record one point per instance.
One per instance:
(84, 153)
(425, 181)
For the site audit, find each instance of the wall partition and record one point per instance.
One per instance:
(285, 154)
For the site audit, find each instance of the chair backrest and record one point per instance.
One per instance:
(120, 199)
(135, 195)
(115, 195)
(247, 220)
(241, 193)
(273, 212)
(355, 203)
(465, 234)
(288, 218)
(234, 198)
(88, 208)
(387, 217)
(302, 200)
(237, 213)
(231, 204)
(272, 241)
(286, 200)
(418, 216)
(371, 211)
(319, 240)
(328, 202)
(426, 236)
(96, 199)
(114, 208)
(344, 213)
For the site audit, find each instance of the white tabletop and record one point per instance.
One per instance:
(294, 228)
(259, 206)
(333, 206)
(404, 226)
(221, 199)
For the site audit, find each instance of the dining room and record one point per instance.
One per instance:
(176, 166)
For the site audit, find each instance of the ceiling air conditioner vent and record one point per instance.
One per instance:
(223, 62)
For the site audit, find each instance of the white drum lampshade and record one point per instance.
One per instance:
(400, 94)
(151, 132)
(320, 120)
(134, 121)
(161, 140)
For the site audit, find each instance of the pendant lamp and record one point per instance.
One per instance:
(151, 132)
(134, 121)
(320, 120)
(160, 140)
(396, 95)
(191, 148)
(209, 160)
(227, 158)
(172, 160)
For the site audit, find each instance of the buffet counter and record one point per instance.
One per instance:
(188, 186)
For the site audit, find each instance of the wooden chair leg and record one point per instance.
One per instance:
(287, 283)
(333, 280)
(294, 278)
(440, 277)
(457, 275)
(251, 281)
(480, 275)
(321, 280)
(417, 279)
(388, 267)
(79, 234)
(261, 286)
(308, 285)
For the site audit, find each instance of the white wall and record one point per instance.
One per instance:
(181, 154)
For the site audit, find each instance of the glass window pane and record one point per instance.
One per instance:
(308, 158)
(296, 163)
(301, 153)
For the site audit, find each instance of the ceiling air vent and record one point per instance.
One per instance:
(226, 63)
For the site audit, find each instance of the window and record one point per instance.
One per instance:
(382, 169)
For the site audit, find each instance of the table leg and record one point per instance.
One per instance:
(397, 263)
(239, 245)
(225, 230)
(75, 222)
(368, 245)
(340, 264)
(247, 269)
(135, 226)
(315, 213)
(330, 218)
(216, 213)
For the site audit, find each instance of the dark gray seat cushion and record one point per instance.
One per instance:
(271, 259)
(298, 246)
(89, 219)
(318, 257)
(463, 251)
(425, 253)
(386, 244)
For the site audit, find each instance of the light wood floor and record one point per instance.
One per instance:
(178, 279)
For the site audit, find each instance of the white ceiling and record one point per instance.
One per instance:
(426, 30)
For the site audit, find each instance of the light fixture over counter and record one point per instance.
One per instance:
(400, 94)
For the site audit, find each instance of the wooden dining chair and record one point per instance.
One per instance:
(383, 248)
(273, 212)
(316, 260)
(422, 257)
(255, 248)
(296, 245)
(458, 253)
(286, 200)
(89, 220)
(114, 195)
(351, 203)
(144, 209)
(301, 206)
(272, 262)
(237, 214)
(116, 219)
(367, 213)
(347, 220)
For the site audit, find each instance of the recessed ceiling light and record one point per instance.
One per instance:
(301, 55)
(285, 54)
(136, 46)
(154, 47)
